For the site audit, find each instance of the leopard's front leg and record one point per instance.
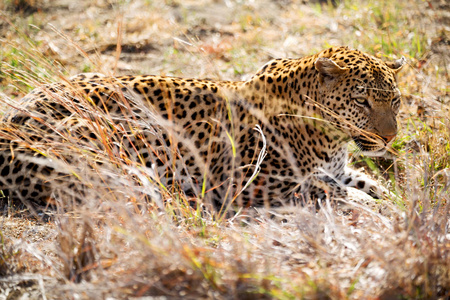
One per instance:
(322, 187)
(355, 179)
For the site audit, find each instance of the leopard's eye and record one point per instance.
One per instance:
(361, 102)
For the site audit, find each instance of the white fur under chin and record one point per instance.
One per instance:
(377, 153)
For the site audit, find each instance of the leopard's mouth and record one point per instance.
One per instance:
(370, 147)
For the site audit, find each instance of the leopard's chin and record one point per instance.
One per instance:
(370, 147)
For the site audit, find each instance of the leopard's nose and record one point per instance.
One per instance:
(388, 138)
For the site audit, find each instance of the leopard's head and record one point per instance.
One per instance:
(359, 94)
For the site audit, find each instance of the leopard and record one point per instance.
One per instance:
(280, 137)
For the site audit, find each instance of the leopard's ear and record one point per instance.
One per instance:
(328, 68)
(396, 65)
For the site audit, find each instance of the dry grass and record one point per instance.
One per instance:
(115, 244)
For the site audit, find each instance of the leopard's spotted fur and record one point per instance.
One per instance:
(201, 133)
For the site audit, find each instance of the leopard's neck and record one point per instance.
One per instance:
(284, 86)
